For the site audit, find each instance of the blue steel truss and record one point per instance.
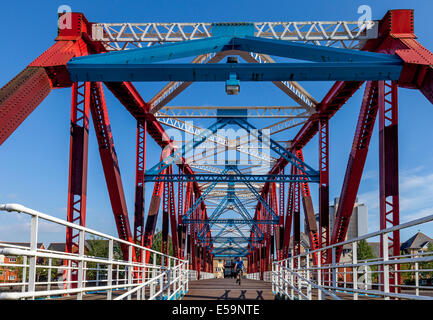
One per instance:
(329, 63)
(323, 64)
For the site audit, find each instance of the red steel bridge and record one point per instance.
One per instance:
(230, 195)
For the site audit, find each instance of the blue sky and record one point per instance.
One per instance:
(34, 160)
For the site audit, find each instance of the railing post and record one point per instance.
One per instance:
(319, 275)
(169, 277)
(292, 291)
(308, 276)
(385, 266)
(187, 277)
(24, 278)
(274, 269)
(334, 270)
(143, 274)
(97, 274)
(298, 270)
(68, 275)
(110, 269)
(117, 275)
(129, 269)
(355, 269)
(416, 279)
(50, 263)
(80, 264)
(34, 224)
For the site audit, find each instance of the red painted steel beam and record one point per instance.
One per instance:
(20, 96)
(355, 166)
(310, 218)
(110, 164)
(173, 220)
(140, 165)
(324, 185)
(78, 157)
(388, 173)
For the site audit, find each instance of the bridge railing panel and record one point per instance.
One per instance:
(404, 276)
(95, 266)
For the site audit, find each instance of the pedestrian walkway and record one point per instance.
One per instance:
(228, 289)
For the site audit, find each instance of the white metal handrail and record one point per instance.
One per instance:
(52, 274)
(297, 276)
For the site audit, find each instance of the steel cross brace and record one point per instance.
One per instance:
(177, 155)
(229, 198)
(200, 199)
(275, 146)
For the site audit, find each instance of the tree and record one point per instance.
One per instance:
(98, 247)
(157, 244)
(365, 252)
(427, 264)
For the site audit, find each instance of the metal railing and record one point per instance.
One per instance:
(267, 276)
(50, 274)
(193, 275)
(388, 277)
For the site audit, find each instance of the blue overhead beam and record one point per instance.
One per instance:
(322, 71)
(231, 221)
(142, 64)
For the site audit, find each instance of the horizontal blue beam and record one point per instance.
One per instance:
(205, 177)
(231, 239)
(327, 71)
(306, 51)
(230, 221)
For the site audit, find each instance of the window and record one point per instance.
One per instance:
(12, 259)
(12, 277)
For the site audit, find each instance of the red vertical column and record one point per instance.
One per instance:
(140, 167)
(110, 165)
(280, 227)
(289, 217)
(296, 220)
(388, 171)
(173, 220)
(165, 216)
(78, 161)
(355, 166)
(324, 185)
(310, 218)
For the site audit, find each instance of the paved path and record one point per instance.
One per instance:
(228, 289)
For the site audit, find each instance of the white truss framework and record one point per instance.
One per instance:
(345, 34)
(282, 112)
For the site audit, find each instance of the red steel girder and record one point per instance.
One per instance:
(289, 216)
(78, 157)
(173, 220)
(140, 166)
(388, 172)
(110, 164)
(355, 166)
(310, 219)
(323, 185)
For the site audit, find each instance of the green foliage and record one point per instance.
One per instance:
(157, 244)
(365, 252)
(427, 264)
(98, 247)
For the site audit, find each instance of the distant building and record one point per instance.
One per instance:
(416, 244)
(218, 268)
(10, 273)
(358, 225)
